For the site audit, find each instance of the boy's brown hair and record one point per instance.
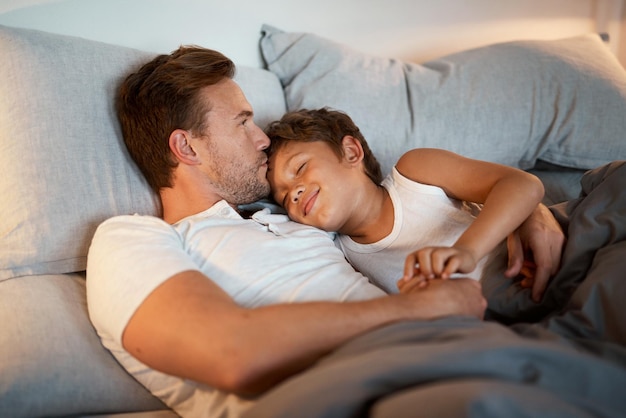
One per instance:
(162, 96)
(326, 125)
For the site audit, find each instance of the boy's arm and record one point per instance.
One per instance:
(509, 196)
(190, 328)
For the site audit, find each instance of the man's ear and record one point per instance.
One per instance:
(352, 150)
(181, 147)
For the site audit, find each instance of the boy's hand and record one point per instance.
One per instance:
(438, 262)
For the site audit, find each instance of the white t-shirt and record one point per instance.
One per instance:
(423, 216)
(264, 260)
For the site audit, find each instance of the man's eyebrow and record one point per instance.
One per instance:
(244, 114)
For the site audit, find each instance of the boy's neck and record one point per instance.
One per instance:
(377, 220)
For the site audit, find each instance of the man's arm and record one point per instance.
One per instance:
(190, 328)
(542, 236)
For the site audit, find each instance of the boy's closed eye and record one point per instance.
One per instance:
(284, 198)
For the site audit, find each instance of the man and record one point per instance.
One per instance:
(199, 306)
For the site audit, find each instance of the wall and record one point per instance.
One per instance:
(408, 29)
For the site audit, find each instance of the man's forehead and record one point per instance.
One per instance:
(227, 100)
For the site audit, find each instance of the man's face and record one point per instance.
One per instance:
(232, 147)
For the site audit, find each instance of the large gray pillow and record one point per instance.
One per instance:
(561, 101)
(65, 167)
(52, 361)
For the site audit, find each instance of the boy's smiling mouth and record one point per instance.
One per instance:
(309, 202)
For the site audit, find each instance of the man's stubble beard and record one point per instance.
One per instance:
(242, 184)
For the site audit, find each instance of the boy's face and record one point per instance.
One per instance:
(313, 183)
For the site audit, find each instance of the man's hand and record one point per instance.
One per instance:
(446, 297)
(540, 238)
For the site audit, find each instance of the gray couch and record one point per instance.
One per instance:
(554, 107)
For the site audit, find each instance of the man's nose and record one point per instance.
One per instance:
(261, 140)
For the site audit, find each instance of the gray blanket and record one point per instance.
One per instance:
(563, 357)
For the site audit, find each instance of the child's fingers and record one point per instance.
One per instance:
(451, 266)
(425, 262)
(409, 266)
(445, 261)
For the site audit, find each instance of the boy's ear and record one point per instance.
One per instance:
(180, 146)
(352, 150)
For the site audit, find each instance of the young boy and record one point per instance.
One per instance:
(416, 221)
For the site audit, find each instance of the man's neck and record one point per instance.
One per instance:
(179, 203)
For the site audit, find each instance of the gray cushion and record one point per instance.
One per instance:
(65, 167)
(560, 101)
(52, 362)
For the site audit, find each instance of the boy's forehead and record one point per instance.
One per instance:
(281, 155)
(290, 149)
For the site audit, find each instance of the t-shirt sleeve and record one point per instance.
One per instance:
(129, 257)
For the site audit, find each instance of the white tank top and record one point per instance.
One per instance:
(423, 216)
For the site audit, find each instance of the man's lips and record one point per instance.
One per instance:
(309, 202)
(263, 164)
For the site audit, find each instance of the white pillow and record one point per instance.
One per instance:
(65, 167)
(561, 101)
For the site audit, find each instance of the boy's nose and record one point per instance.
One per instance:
(296, 194)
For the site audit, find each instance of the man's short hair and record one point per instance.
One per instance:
(162, 96)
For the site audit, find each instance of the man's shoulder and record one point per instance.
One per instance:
(129, 225)
(134, 219)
